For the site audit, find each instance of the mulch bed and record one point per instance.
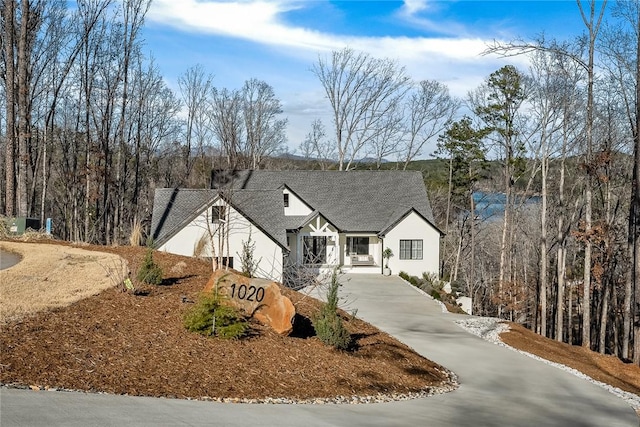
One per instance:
(604, 368)
(121, 343)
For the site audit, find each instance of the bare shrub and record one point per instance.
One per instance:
(135, 238)
(199, 248)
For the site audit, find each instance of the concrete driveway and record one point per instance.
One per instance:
(498, 387)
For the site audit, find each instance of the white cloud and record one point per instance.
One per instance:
(260, 21)
(411, 7)
(455, 61)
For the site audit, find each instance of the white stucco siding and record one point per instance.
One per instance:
(413, 227)
(267, 253)
(185, 240)
(296, 206)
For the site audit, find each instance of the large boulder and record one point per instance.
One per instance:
(257, 298)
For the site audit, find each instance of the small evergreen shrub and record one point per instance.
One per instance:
(404, 275)
(229, 324)
(328, 324)
(249, 264)
(150, 272)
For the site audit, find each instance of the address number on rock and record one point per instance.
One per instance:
(248, 293)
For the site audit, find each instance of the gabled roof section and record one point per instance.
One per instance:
(400, 214)
(291, 191)
(264, 209)
(173, 209)
(353, 201)
(302, 221)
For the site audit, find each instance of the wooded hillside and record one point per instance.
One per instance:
(90, 129)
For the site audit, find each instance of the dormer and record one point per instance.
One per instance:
(293, 204)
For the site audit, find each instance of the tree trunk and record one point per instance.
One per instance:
(10, 86)
(604, 314)
(570, 315)
(561, 252)
(472, 276)
(543, 248)
(503, 247)
(23, 109)
(586, 286)
(456, 264)
(634, 216)
(593, 28)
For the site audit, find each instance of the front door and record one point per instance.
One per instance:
(358, 245)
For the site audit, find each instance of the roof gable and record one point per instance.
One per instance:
(354, 201)
(173, 209)
(400, 215)
(295, 199)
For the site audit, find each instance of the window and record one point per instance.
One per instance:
(225, 261)
(286, 200)
(314, 249)
(358, 245)
(410, 249)
(218, 213)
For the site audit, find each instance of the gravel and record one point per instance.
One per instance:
(490, 328)
(337, 400)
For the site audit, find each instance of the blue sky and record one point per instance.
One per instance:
(279, 40)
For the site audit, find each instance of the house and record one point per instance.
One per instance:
(303, 219)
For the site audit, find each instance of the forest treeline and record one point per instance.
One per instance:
(89, 128)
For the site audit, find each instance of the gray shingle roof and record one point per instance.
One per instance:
(174, 208)
(264, 208)
(354, 201)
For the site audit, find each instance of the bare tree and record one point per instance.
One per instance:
(593, 24)
(9, 78)
(388, 141)
(317, 148)
(227, 123)
(133, 13)
(548, 85)
(195, 88)
(264, 132)
(430, 109)
(620, 48)
(361, 90)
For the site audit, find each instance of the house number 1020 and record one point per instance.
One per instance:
(250, 293)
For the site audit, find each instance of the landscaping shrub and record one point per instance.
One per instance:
(135, 238)
(404, 275)
(210, 308)
(328, 324)
(200, 246)
(433, 281)
(249, 264)
(150, 272)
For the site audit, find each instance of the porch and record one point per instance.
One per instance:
(362, 269)
(361, 253)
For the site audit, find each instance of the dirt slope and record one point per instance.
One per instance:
(121, 343)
